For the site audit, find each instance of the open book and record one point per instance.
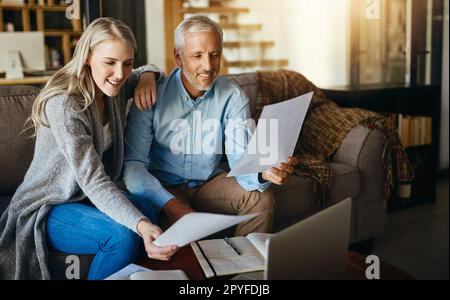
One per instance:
(135, 272)
(240, 255)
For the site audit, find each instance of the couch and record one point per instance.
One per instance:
(357, 166)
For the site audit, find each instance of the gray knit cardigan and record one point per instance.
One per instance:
(67, 167)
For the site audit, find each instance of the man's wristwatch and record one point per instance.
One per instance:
(260, 179)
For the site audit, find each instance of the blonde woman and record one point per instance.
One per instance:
(68, 201)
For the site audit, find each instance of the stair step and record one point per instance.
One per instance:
(214, 9)
(236, 26)
(257, 63)
(243, 44)
(214, 3)
(218, 2)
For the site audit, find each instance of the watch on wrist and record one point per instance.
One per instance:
(260, 178)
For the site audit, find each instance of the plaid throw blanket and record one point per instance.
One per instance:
(325, 127)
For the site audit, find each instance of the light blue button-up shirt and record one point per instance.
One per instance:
(180, 140)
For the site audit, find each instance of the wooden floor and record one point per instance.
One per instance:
(416, 239)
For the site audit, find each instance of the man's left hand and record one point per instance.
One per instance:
(280, 175)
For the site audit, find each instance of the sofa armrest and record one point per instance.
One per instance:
(363, 149)
(349, 151)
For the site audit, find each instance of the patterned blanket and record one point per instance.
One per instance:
(325, 127)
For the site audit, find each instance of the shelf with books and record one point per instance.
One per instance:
(49, 17)
(416, 110)
(415, 130)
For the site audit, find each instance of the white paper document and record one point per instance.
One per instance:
(160, 275)
(195, 226)
(126, 272)
(136, 272)
(275, 137)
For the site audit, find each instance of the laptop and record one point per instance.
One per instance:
(314, 248)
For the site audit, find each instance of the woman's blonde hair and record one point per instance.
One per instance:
(75, 78)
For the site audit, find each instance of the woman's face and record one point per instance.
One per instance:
(111, 64)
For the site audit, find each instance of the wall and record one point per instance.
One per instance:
(444, 159)
(313, 35)
(154, 11)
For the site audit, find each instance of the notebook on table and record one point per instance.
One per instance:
(217, 257)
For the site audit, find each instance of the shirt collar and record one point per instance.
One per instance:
(184, 94)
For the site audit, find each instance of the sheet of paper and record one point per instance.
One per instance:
(125, 273)
(195, 226)
(275, 137)
(160, 275)
(260, 241)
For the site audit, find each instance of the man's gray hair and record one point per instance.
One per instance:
(196, 23)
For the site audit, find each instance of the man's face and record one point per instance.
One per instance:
(199, 61)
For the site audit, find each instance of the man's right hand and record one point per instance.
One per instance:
(175, 209)
(149, 233)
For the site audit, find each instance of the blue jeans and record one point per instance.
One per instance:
(80, 228)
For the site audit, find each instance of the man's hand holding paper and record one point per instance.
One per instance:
(272, 145)
(280, 175)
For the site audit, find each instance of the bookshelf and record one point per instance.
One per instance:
(49, 16)
(416, 110)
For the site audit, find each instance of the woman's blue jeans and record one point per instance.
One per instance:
(80, 228)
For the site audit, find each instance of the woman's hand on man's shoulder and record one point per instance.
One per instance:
(145, 92)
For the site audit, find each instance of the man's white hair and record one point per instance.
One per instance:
(196, 23)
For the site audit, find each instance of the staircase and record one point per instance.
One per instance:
(243, 51)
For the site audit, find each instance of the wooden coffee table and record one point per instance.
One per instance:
(185, 260)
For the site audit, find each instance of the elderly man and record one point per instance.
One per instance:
(173, 149)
